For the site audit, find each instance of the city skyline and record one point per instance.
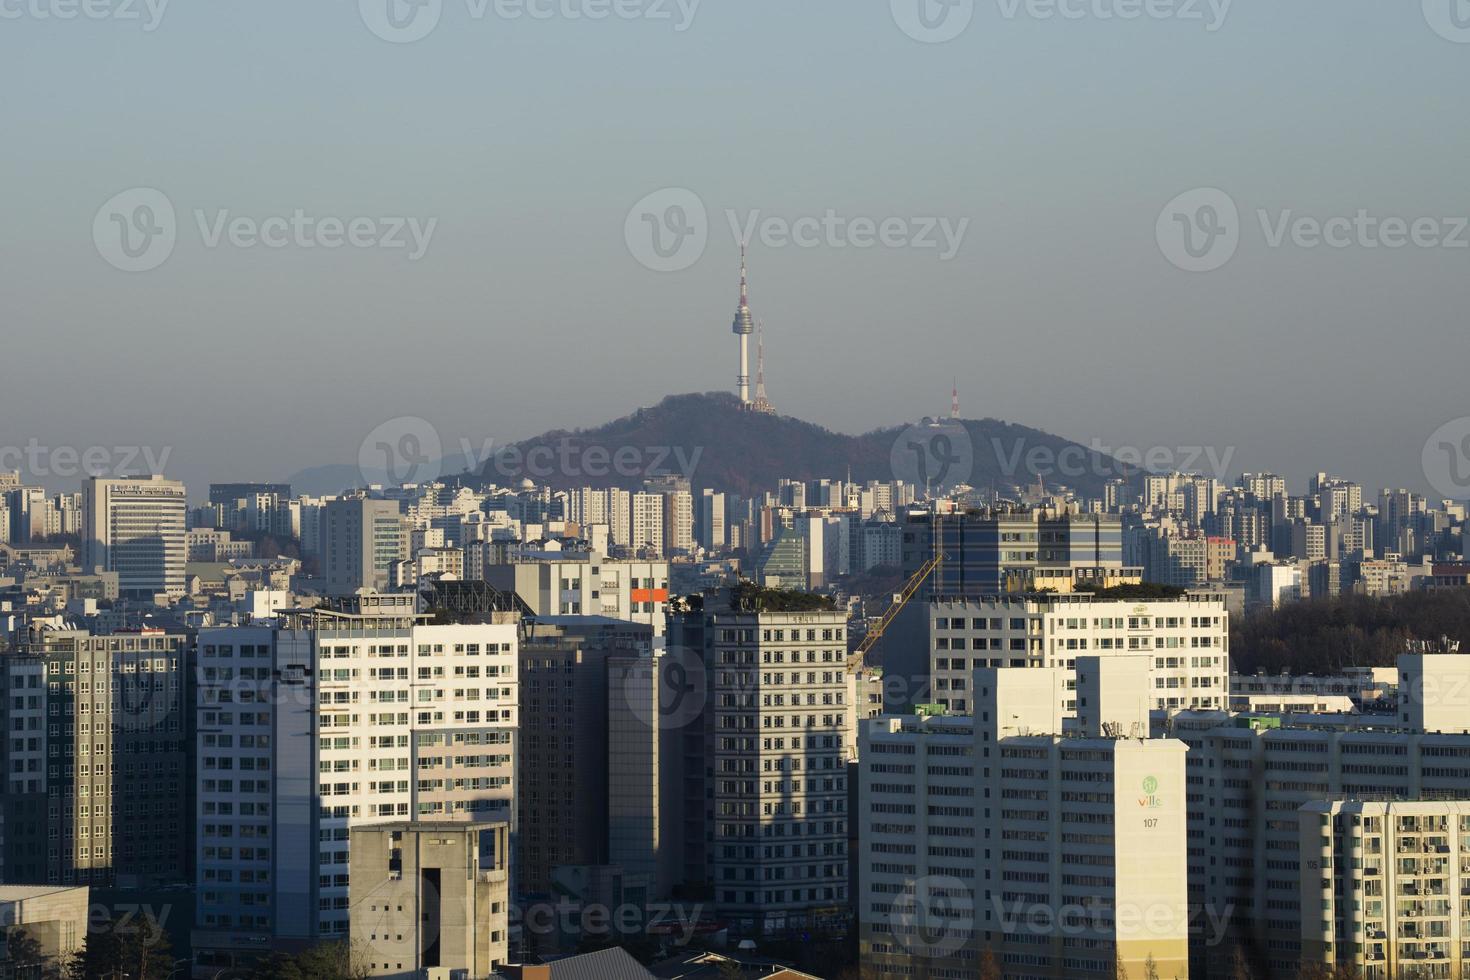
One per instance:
(528, 272)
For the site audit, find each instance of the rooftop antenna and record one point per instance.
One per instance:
(761, 403)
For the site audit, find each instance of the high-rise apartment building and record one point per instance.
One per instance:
(1186, 641)
(710, 521)
(362, 540)
(1251, 774)
(135, 527)
(766, 815)
(1015, 551)
(993, 838)
(646, 525)
(1384, 886)
(563, 797)
(355, 713)
(96, 757)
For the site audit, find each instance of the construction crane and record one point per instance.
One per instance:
(901, 599)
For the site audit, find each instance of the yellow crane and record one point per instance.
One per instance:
(910, 589)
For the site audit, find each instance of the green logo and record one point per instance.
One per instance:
(1151, 785)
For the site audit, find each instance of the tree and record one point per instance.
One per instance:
(25, 958)
(989, 966)
(327, 961)
(1120, 972)
(731, 970)
(1150, 968)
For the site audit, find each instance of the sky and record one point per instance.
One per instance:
(250, 234)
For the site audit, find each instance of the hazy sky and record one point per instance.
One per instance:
(527, 140)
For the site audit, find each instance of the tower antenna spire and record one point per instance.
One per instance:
(743, 327)
(761, 403)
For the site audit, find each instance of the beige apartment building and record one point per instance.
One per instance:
(1385, 887)
(995, 837)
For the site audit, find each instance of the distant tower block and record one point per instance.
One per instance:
(743, 327)
(954, 400)
(761, 403)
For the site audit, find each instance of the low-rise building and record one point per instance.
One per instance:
(430, 899)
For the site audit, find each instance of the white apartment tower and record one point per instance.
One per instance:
(1187, 640)
(992, 841)
(357, 713)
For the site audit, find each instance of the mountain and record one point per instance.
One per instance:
(711, 440)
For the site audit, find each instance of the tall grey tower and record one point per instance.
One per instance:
(743, 327)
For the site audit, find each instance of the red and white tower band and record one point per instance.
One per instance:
(743, 327)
